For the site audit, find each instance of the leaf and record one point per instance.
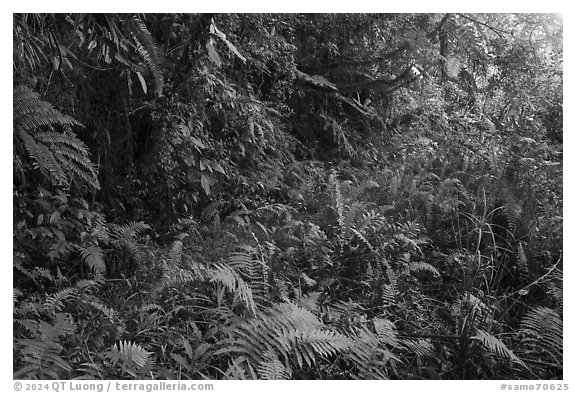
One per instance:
(142, 82)
(56, 62)
(218, 168)
(92, 45)
(214, 30)
(197, 143)
(205, 184)
(204, 165)
(212, 53)
(180, 360)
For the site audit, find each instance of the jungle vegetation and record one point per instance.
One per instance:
(287, 196)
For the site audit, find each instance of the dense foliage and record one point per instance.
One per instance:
(287, 196)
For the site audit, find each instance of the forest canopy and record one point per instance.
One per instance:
(287, 196)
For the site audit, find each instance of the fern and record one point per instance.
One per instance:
(37, 345)
(128, 232)
(94, 258)
(55, 302)
(234, 283)
(542, 330)
(370, 354)
(212, 211)
(31, 112)
(229, 276)
(495, 346)
(60, 156)
(295, 335)
(421, 266)
(131, 356)
(287, 337)
(522, 260)
(146, 48)
(273, 369)
(176, 252)
(421, 347)
(42, 360)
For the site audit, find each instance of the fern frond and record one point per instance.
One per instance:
(128, 352)
(212, 211)
(421, 266)
(39, 349)
(112, 315)
(542, 329)
(176, 252)
(43, 159)
(253, 271)
(234, 283)
(273, 369)
(42, 360)
(31, 112)
(94, 258)
(369, 355)
(495, 346)
(128, 232)
(371, 221)
(55, 302)
(60, 156)
(363, 240)
(146, 48)
(240, 260)
(386, 332)
(522, 261)
(422, 348)
(289, 331)
(339, 202)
